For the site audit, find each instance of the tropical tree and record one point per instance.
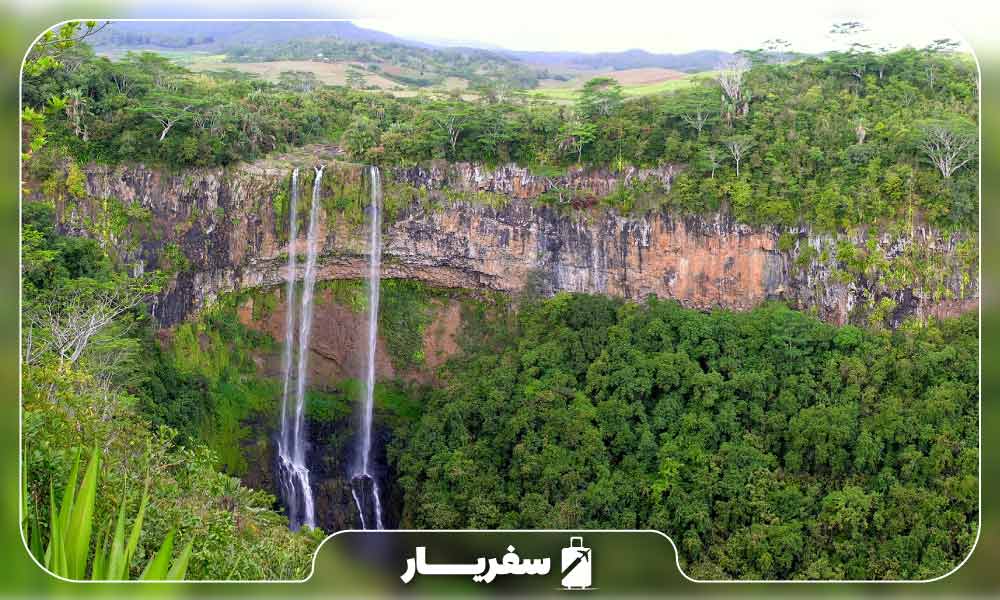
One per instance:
(574, 136)
(599, 97)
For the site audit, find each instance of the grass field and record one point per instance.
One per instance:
(332, 73)
(180, 57)
(634, 82)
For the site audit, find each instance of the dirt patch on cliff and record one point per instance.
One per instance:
(440, 339)
(338, 341)
(951, 308)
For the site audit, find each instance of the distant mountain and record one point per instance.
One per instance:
(218, 35)
(701, 60)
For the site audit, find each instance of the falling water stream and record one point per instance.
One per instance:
(293, 473)
(364, 486)
(286, 472)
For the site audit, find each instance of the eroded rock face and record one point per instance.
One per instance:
(518, 182)
(224, 230)
(230, 229)
(703, 264)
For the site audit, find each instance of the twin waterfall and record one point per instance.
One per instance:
(293, 475)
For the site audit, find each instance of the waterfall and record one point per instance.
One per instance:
(364, 486)
(285, 471)
(293, 473)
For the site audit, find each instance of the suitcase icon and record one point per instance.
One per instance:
(576, 565)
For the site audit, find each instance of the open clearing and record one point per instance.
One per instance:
(626, 77)
(634, 82)
(331, 73)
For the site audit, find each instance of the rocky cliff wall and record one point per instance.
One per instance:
(465, 226)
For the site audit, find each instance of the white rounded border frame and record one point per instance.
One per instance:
(312, 568)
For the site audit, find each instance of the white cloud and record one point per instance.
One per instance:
(655, 26)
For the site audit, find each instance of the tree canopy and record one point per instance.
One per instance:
(767, 444)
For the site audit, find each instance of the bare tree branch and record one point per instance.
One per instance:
(738, 147)
(730, 78)
(947, 148)
(72, 323)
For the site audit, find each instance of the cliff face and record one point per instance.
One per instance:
(505, 229)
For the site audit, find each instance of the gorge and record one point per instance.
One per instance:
(463, 227)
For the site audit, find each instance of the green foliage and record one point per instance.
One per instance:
(48, 258)
(160, 565)
(345, 195)
(264, 303)
(815, 144)
(396, 402)
(361, 138)
(282, 205)
(332, 406)
(120, 553)
(787, 241)
(44, 56)
(70, 532)
(346, 292)
(173, 260)
(108, 398)
(76, 182)
(205, 383)
(769, 445)
(600, 97)
(405, 311)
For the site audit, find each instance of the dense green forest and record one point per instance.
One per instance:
(767, 444)
(838, 141)
(94, 377)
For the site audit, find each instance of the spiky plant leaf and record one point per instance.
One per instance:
(81, 520)
(133, 538)
(99, 565)
(69, 494)
(179, 568)
(158, 567)
(55, 554)
(116, 558)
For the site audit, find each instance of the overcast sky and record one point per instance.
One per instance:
(605, 25)
(665, 26)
